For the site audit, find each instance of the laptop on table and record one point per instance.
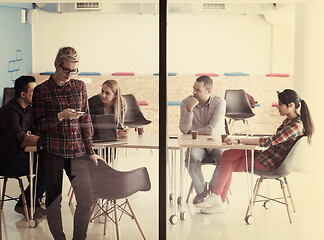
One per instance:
(105, 129)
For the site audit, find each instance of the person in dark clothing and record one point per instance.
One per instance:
(16, 128)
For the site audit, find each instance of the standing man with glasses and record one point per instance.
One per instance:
(61, 115)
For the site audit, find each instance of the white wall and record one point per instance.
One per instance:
(129, 42)
(219, 43)
(106, 43)
(283, 48)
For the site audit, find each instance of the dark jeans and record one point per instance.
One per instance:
(20, 162)
(78, 174)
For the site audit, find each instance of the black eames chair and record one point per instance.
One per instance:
(134, 117)
(238, 108)
(5, 175)
(8, 94)
(110, 185)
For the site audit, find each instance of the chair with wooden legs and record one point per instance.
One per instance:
(15, 175)
(117, 185)
(279, 174)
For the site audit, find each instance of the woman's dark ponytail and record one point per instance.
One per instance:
(307, 121)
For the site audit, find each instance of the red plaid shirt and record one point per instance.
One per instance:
(280, 143)
(66, 138)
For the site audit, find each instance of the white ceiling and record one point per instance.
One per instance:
(156, 1)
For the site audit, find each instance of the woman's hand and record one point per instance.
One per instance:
(122, 133)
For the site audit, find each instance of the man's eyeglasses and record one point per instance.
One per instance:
(67, 71)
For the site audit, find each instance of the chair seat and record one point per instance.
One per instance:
(12, 174)
(239, 116)
(208, 160)
(134, 124)
(269, 174)
(117, 184)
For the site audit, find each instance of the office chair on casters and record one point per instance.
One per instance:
(134, 117)
(110, 184)
(238, 108)
(279, 174)
(5, 175)
(8, 94)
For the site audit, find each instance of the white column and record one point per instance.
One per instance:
(308, 82)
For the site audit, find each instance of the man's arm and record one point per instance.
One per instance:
(85, 121)
(186, 116)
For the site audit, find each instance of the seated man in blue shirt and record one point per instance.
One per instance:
(16, 125)
(203, 112)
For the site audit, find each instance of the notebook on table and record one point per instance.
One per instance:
(105, 129)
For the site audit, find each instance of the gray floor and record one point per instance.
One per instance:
(269, 224)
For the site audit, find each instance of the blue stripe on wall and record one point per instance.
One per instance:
(14, 36)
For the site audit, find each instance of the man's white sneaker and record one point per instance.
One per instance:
(221, 208)
(211, 201)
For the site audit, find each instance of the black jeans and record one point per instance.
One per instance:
(78, 174)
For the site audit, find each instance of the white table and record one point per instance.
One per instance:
(186, 141)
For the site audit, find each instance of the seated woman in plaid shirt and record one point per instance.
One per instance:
(279, 144)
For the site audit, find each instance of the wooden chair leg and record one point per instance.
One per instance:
(282, 184)
(189, 192)
(291, 200)
(70, 189)
(23, 198)
(106, 217)
(116, 220)
(72, 193)
(92, 210)
(136, 221)
(255, 193)
(5, 180)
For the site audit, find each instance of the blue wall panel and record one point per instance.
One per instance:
(14, 36)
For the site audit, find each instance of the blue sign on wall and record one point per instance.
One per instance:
(14, 65)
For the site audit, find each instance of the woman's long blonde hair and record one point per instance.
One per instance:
(119, 103)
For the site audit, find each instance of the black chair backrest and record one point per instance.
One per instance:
(134, 116)
(111, 184)
(237, 102)
(8, 94)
